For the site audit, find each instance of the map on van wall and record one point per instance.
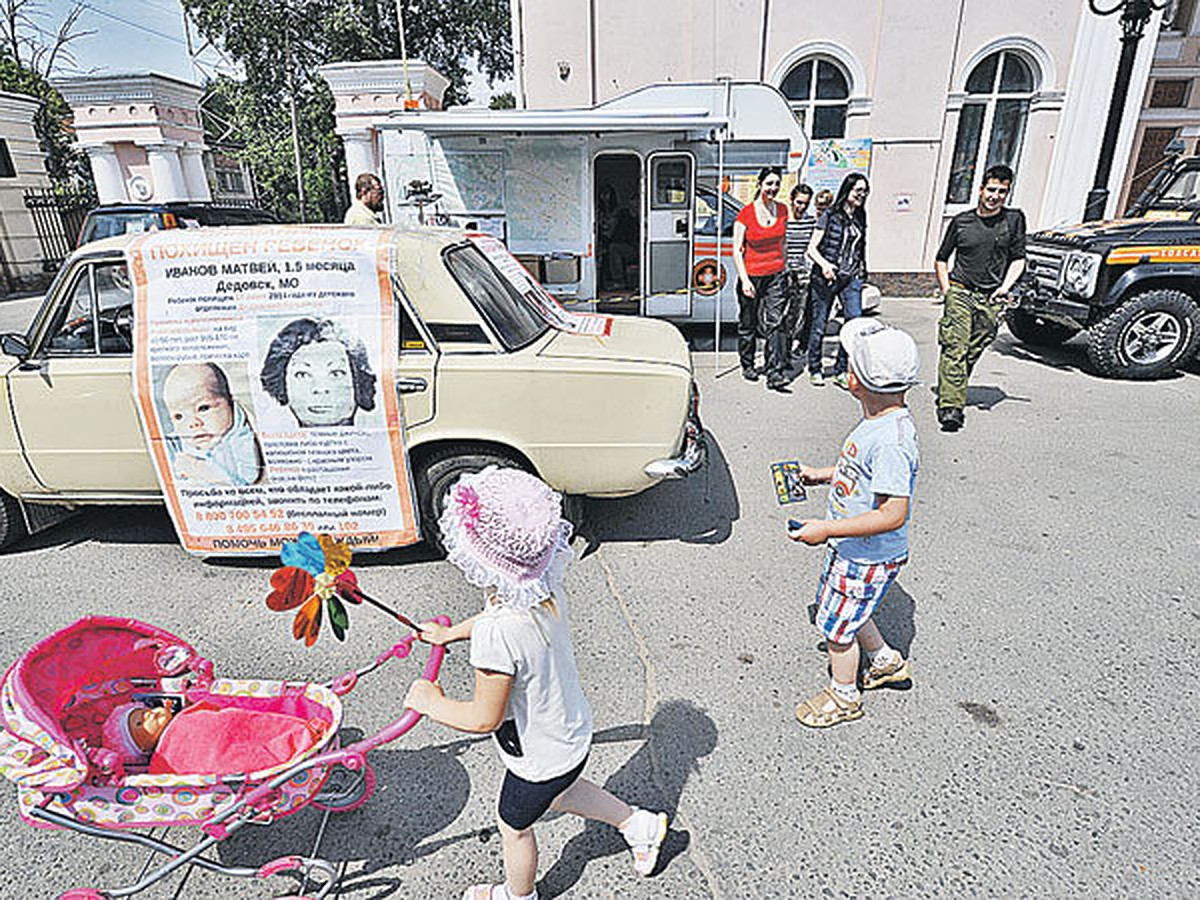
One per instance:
(544, 196)
(264, 374)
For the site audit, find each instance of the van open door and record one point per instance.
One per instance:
(671, 187)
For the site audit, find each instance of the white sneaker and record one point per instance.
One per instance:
(644, 832)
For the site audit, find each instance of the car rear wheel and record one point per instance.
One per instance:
(1148, 335)
(12, 522)
(1029, 328)
(440, 470)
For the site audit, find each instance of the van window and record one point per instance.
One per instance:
(514, 318)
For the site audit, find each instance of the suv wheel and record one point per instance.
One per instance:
(12, 522)
(1032, 329)
(1148, 335)
(440, 470)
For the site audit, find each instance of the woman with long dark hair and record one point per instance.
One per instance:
(838, 250)
(758, 238)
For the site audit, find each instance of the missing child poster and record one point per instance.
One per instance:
(264, 373)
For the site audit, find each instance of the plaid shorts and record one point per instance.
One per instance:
(849, 592)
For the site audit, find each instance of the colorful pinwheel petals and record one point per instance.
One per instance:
(315, 571)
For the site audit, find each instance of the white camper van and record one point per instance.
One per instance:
(613, 205)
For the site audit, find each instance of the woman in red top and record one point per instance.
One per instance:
(758, 237)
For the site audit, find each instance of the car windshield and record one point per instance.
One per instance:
(514, 318)
(1182, 192)
(103, 225)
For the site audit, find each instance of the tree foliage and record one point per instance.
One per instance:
(280, 44)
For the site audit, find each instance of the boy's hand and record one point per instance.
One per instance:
(434, 633)
(812, 532)
(422, 695)
(810, 475)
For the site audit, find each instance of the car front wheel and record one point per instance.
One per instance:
(12, 522)
(440, 470)
(1148, 335)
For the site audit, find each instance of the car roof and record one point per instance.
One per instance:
(417, 262)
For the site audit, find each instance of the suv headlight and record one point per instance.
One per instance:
(1079, 273)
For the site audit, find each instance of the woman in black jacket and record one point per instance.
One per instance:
(838, 250)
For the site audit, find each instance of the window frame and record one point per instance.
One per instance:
(809, 106)
(990, 100)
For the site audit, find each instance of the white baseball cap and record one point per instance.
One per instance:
(884, 358)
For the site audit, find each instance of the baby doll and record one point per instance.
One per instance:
(206, 739)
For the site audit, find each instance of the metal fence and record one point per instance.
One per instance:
(58, 216)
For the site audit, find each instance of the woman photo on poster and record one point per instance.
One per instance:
(210, 439)
(320, 372)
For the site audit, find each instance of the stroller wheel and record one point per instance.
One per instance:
(345, 790)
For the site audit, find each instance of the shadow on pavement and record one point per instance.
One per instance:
(654, 778)
(699, 509)
(419, 793)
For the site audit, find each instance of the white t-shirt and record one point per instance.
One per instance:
(548, 724)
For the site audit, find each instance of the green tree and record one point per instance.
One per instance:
(280, 44)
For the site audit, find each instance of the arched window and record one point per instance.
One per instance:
(818, 91)
(991, 123)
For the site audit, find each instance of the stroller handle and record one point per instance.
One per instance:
(409, 717)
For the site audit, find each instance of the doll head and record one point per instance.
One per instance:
(132, 730)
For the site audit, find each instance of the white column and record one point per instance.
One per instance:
(360, 153)
(166, 172)
(194, 177)
(106, 170)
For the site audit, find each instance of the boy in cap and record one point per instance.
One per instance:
(867, 525)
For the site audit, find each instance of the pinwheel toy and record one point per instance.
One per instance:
(315, 572)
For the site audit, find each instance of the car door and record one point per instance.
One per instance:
(72, 398)
(415, 373)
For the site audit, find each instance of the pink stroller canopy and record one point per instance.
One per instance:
(96, 657)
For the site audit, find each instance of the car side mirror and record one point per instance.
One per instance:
(14, 345)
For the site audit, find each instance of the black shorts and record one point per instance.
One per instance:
(524, 802)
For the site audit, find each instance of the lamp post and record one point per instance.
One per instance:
(1134, 16)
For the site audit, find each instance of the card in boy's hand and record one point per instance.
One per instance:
(786, 475)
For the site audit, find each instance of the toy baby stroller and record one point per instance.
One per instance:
(55, 699)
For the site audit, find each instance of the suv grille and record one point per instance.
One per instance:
(1045, 262)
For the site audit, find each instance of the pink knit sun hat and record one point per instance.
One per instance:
(116, 736)
(504, 529)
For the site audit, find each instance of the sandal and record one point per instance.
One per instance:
(651, 829)
(826, 709)
(888, 673)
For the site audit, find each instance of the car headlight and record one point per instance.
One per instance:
(1080, 272)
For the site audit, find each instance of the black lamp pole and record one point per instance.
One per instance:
(1134, 16)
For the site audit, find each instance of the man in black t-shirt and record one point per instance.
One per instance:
(988, 245)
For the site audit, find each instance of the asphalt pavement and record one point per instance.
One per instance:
(1045, 747)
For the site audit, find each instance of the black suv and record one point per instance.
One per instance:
(1133, 283)
(130, 218)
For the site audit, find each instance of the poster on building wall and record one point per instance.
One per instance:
(832, 159)
(264, 374)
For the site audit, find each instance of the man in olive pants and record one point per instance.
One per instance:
(988, 245)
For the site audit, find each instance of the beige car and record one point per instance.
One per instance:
(485, 377)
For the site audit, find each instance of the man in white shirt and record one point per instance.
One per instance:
(368, 201)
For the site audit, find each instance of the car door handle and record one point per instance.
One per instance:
(411, 385)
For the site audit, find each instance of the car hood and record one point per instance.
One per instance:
(631, 339)
(1114, 232)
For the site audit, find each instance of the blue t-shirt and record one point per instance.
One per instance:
(880, 456)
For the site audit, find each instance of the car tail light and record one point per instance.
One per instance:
(169, 220)
(694, 405)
